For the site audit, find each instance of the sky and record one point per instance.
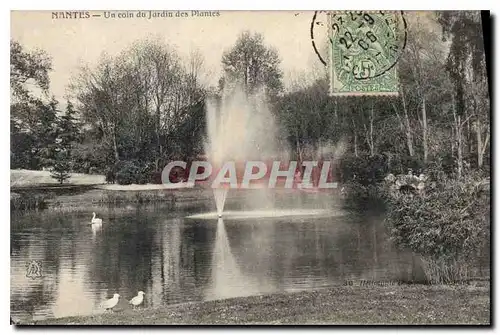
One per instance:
(75, 42)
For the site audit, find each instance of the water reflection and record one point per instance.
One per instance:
(175, 260)
(226, 279)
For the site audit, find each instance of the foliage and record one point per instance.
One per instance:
(447, 222)
(143, 104)
(28, 67)
(363, 169)
(140, 197)
(253, 65)
(128, 173)
(61, 168)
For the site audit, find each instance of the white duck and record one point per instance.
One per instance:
(137, 300)
(95, 220)
(110, 303)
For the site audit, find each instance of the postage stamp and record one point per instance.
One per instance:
(365, 47)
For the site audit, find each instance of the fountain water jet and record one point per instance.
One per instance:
(239, 128)
(220, 199)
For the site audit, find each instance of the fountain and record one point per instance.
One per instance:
(239, 128)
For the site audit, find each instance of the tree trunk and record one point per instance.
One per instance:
(409, 135)
(355, 138)
(424, 129)
(157, 128)
(459, 148)
(299, 151)
(115, 145)
(479, 144)
(485, 144)
(372, 144)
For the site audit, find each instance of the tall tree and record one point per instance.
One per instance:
(28, 68)
(467, 68)
(253, 64)
(29, 83)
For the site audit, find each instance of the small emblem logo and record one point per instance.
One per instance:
(34, 270)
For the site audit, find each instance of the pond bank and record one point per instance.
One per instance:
(399, 304)
(77, 196)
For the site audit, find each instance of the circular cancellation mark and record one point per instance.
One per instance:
(366, 44)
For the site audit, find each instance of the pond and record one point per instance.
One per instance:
(178, 256)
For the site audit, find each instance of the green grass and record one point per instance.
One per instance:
(405, 304)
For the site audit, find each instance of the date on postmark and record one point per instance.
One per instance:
(365, 47)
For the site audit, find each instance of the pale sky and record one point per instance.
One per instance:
(74, 42)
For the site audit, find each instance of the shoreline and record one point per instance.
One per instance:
(78, 196)
(340, 305)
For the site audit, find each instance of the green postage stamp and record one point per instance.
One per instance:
(365, 47)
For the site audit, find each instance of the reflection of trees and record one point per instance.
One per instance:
(181, 262)
(122, 260)
(171, 260)
(30, 297)
(322, 252)
(197, 240)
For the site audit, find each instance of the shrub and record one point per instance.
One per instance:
(364, 169)
(362, 196)
(145, 174)
(93, 170)
(128, 173)
(446, 222)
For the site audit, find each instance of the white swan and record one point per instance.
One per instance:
(110, 303)
(137, 300)
(95, 220)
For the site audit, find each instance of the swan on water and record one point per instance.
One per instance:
(94, 219)
(110, 303)
(137, 300)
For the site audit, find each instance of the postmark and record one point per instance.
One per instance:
(364, 50)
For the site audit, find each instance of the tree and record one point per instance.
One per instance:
(253, 65)
(28, 67)
(69, 131)
(61, 168)
(102, 100)
(45, 133)
(421, 73)
(30, 117)
(141, 104)
(467, 68)
(67, 136)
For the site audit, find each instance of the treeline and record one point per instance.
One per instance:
(133, 112)
(441, 116)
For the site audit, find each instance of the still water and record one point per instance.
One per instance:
(177, 256)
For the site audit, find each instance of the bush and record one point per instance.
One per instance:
(128, 173)
(93, 170)
(364, 169)
(363, 196)
(145, 174)
(446, 222)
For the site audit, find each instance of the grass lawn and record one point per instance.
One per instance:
(405, 304)
(20, 178)
(33, 178)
